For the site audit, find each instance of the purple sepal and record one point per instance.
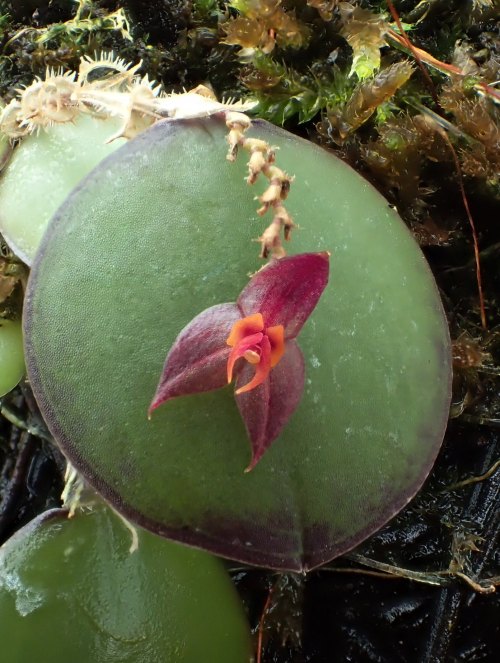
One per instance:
(266, 409)
(197, 360)
(286, 291)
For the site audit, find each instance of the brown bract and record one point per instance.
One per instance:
(262, 160)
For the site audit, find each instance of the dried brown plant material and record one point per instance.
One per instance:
(46, 103)
(237, 123)
(477, 118)
(397, 156)
(475, 163)
(471, 359)
(259, 79)
(471, 114)
(429, 233)
(290, 33)
(367, 96)
(462, 58)
(264, 24)
(325, 7)
(7, 284)
(365, 33)
(467, 352)
(433, 125)
(258, 8)
(262, 160)
(12, 272)
(482, 9)
(249, 33)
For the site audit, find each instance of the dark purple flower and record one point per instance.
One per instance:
(253, 341)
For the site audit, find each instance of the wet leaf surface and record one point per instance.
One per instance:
(115, 604)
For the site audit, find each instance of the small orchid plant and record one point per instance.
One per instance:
(259, 328)
(252, 340)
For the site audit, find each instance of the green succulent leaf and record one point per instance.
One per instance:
(11, 355)
(162, 230)
(71, 590)
(43, 170)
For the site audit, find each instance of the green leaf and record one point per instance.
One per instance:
(71, 590)
(42, 172)
(160, 231)
(11, 355)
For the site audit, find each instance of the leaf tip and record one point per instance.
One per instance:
(252, 464)
(155, 403)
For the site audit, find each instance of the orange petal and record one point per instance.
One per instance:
(245, 327)
(276, 337)
(262, 370)
(246, 343)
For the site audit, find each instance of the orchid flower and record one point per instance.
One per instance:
(253, 342)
